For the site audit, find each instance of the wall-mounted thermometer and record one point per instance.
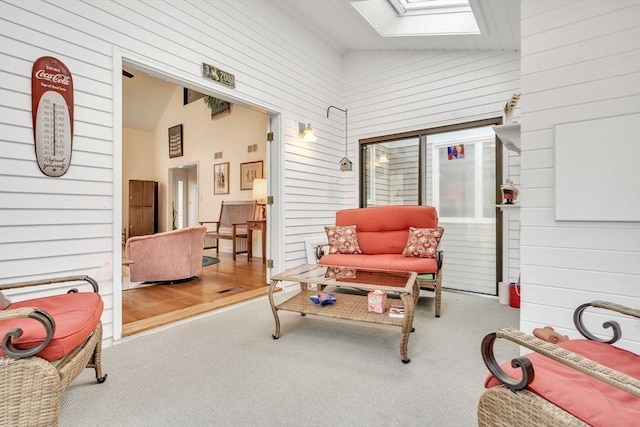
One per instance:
(52, 111)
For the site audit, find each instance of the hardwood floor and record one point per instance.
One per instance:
(222, 284)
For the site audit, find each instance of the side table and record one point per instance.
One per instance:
(260, 225)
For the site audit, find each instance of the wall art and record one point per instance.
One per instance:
(221, 178)
(175, 141)
(248, 172)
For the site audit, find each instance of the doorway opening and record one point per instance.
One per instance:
(186, 199)
(183, 193)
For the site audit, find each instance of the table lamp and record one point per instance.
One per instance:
(260, 195)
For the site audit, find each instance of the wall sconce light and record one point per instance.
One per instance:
(260, 195)
(305, 132)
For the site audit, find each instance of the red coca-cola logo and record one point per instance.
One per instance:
(54, 78)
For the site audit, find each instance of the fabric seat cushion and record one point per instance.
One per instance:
(76, 316)
(395, 262)
(587, 398)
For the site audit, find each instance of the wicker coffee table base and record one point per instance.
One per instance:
(349, 307)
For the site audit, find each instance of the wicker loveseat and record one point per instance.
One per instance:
(46, 343)
(577, 382)
(383, 233)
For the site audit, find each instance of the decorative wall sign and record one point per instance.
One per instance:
(221, 178)
(248, 172)
(455, 152)
(175, 141)
(217, 75)
(52, 112)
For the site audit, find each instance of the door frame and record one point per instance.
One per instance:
(171, 192)
(275, 248)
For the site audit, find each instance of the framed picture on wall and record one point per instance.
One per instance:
(175, 141)
(221, 178)
(248, 172)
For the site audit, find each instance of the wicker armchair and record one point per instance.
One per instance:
(36, 362)
(515, 403)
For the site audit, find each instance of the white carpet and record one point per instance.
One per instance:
(224, 369)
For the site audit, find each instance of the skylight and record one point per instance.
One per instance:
(423, 7)
(397, 18)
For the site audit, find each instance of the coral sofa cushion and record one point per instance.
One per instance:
(395, 262)
(385, 229)
(76, 316)
(423, 242)
(587, 398)
(343, 240)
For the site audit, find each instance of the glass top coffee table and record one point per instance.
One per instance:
(349, 306)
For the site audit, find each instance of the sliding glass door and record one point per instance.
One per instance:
(391, 173)
(455, 171)
(461, 166)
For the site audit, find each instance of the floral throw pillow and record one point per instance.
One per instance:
(343, 239)
(423, 242)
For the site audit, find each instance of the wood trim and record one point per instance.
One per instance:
(185, 313)
(430, 131)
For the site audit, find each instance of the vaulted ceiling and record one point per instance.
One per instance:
(340, 25)
(343, 27)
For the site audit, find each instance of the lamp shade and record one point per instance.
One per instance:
(305, 133)
(259, 190)
(309, 136)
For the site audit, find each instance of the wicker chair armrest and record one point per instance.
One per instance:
(615, 326)
(439, 258)
(573, 360)
(41, 282)
(26, 312)
(319, 252)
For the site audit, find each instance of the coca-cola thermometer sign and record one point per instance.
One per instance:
(52, 111)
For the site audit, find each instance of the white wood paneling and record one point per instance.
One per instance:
(576, 66)
(341, 26)
(70, 225)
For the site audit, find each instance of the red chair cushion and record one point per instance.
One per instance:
(593, 401)
(76, 316)
(395, 262)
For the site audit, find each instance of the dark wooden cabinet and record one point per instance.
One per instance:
(143, 207)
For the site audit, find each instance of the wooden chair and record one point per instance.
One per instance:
(46, 343)
(232, 225)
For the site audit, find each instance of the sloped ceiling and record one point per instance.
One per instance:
(340, 25)
(144, 99)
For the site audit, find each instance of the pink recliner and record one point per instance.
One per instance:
(168, 256)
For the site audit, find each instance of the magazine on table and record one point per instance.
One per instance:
(396, 311)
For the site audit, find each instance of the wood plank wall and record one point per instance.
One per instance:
(59, 226)
(580, 61)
